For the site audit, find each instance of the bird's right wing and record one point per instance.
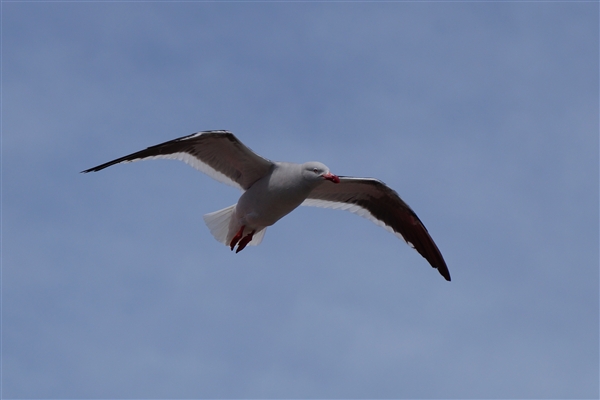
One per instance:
(219, 154)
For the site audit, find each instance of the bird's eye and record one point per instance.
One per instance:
(315, 170)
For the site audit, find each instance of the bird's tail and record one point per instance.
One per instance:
(219, 224)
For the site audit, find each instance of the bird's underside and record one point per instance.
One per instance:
(284, 186)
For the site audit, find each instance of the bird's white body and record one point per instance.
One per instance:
(275, 195)
(268, 200)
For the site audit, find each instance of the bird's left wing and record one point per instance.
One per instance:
(372, 199)
(219, 154)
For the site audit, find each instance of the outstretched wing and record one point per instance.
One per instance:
(372, 199)
(218, 154)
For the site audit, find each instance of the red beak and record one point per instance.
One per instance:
(331, 177)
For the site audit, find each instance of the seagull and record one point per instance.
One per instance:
(273, 189)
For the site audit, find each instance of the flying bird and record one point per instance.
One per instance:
(273, 189)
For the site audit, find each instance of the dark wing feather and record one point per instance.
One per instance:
(374, 200)
(218, 154)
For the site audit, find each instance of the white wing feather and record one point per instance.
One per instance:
(197, 164)
(353, 208)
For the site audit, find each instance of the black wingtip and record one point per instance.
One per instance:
(94, 169)
(445, 273)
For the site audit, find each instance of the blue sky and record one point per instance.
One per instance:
(482, 116)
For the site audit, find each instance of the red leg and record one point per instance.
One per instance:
(237, 237)
(245, 241)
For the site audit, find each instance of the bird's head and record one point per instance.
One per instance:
(316, 171)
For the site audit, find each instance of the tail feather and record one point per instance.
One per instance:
(219, 224)
(257, 237)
